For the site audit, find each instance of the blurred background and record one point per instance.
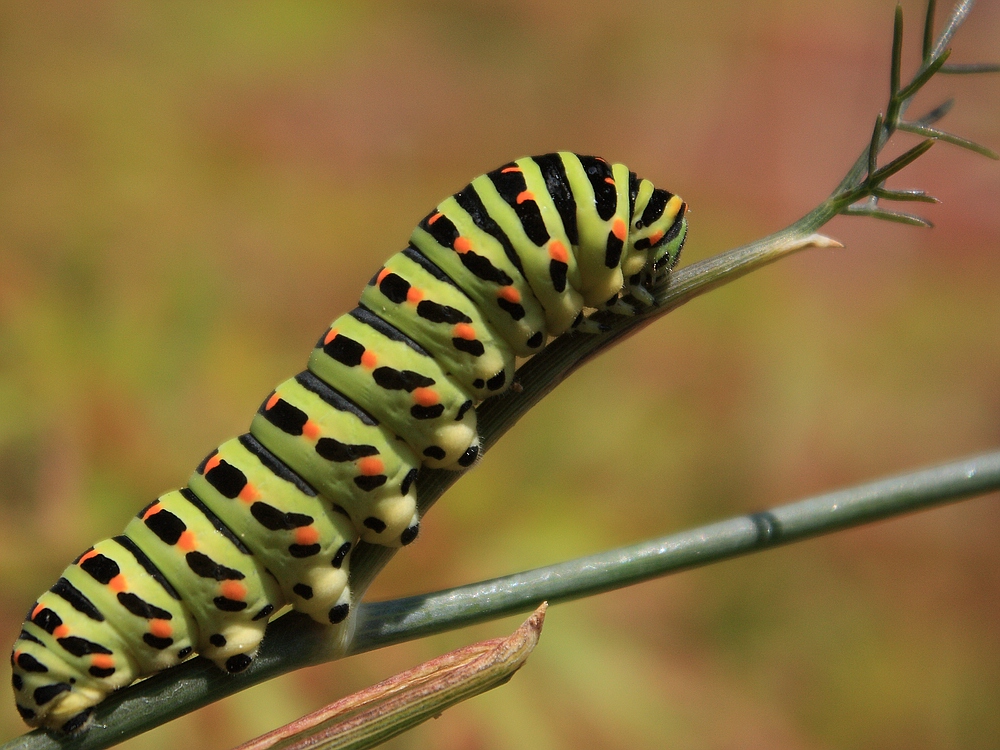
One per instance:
(190, 192)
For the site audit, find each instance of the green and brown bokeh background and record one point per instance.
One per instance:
(190, 192)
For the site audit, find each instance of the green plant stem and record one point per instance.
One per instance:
(384, 623)
(295, 641)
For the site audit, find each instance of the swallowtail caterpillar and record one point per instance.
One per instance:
(270, 518)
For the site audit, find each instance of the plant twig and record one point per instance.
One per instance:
(296, 641)
(865, 179)
(384, 623)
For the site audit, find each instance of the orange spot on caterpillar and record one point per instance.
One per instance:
(414, 295)
(160, 628)
(425, 396)
(62, 631)
(152, 511)
(655, 237)
(212, 462)
(311, 430)
(525, 195)
(306, 535)
(382, 274)
(619, 230)
(610, 180)
(371, 465)
(557, 251)
(118, 583)
(465, 331)
(509, 293)
(38, 608)
(369, 359)
(233, 590)
(463, 245)
(275, 398)
(249, 493)
(505, 170)
(86, 556)
(434, 218)
(187, 542)
(330, 336)
(102, 661)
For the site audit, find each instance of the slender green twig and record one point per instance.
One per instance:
(918, 128)
(923, 77)
(896, 71)
(955, 19)
(928, 43)
(384, 623)
(971, 68)
(864, 182)
(294, 640)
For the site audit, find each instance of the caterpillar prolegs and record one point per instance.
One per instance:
(270, 518)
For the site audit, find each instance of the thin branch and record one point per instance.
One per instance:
(924, 76)
(918, 196)
(897, 217)
(296, 641)
(901, 162)
(971, 68)
(860, 183)
(955, 19)
(384, 623)
(895, 70)
(940, 135)
(875, 145)
(925, 53)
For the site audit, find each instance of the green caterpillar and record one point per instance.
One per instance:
(270, 518)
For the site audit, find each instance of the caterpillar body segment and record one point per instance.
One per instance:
(604, 226)
(271, 517)
(484, 267)
(466, 345)
(147, 612)
(401, 383)
(526, 213)
(302, 542)
(369, 478)
(222, 583)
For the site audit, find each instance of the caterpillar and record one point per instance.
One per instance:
(271, 517)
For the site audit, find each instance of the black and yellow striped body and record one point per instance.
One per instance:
(270, 518)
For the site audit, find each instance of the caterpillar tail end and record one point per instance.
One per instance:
(73, 715)
(56, 700)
